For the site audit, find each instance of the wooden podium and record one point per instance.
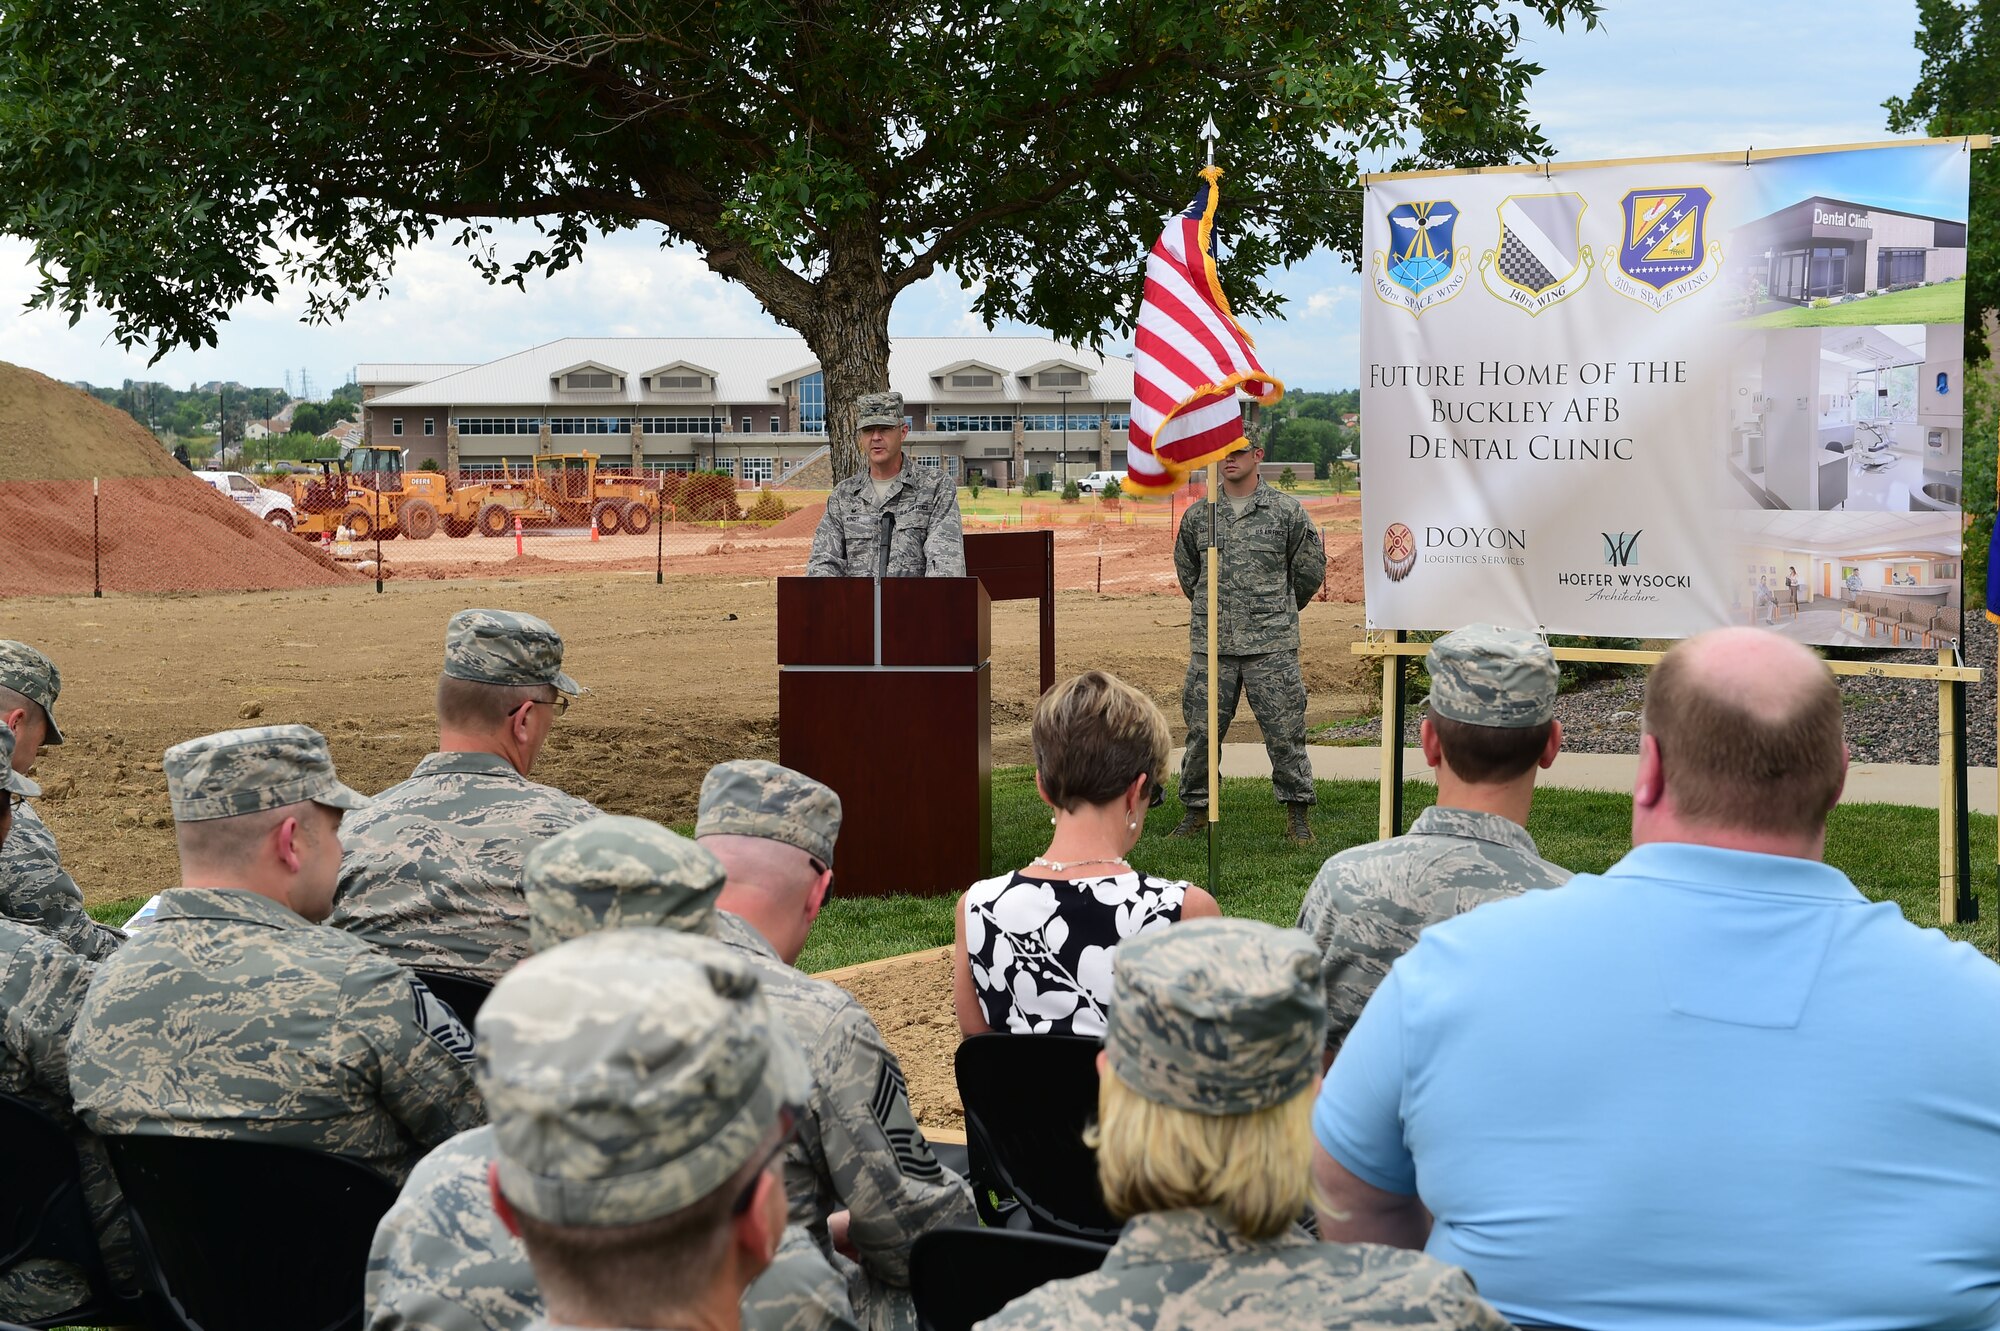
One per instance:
(884, 693)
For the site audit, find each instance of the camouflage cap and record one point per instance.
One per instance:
(751, 797)
(630, 1074)
(878, 409)
(29, 673)
(1487, 675)
(1216, 1016)
(618, 873)
(235, 772)
(10, 780)
(505, 647)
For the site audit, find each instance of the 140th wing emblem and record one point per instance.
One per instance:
(1541, 259)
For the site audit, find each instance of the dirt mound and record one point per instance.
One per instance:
(165, 534)
(52, 432)
(802, 522)
(1343, 577)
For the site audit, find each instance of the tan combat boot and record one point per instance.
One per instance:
(1194, 820)
(1297, 830)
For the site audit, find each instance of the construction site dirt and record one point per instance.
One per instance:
(682, 676)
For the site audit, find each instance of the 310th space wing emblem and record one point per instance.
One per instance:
(1664, 253)
(1541, 259)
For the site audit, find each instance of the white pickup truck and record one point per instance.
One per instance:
(272, 506)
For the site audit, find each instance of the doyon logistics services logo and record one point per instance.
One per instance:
(1399, 551)
(1664, 254)
(1541, 259)
(1421, 269)
(1621, 549)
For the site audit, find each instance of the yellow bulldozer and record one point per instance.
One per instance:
(366, 488)
(557, 490)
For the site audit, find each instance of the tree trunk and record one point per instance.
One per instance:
(849, 333)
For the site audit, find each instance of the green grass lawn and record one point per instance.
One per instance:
(1890, 852)
(1943, 303)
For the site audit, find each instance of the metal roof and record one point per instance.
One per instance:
(411, 372)
(744, 368)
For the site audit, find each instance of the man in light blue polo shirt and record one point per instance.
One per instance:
(1712, 1087)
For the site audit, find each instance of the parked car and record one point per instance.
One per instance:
(270, 505)
(1095, 482)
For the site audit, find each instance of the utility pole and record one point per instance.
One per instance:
(1064, 454)
(221, 422)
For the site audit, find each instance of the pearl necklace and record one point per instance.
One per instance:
(1063, 866)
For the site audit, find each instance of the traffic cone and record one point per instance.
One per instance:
(593, 529)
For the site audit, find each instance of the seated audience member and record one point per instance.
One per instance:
(42, 983)
(432, 873)
(643, 1094)
(1032, 949)
(1203, 1141)
(866, 1182)
(441, 1260)
(1491, 727)
(1713, 1086)
(235, 1014)
(35, 889)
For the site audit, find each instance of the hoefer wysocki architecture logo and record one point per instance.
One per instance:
(1399, 551)
(1621, 549)
(1421, 268)
(1664, 254)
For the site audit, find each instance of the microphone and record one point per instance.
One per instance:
(882, 545)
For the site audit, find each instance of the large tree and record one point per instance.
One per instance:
(824, 155)
(1958, 92)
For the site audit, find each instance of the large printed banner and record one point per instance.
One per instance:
(1648, 398)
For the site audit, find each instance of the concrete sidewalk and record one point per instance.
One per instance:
(1867, 783)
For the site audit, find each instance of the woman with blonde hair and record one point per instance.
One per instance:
(1033, 948)
(1204, 1146)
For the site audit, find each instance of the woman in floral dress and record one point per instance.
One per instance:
(1033, 948)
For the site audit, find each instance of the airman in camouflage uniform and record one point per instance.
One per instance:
(860, 1148)
(42, 984)
(432, 874)
(234, 1015)
(927, 540)
(441, 1260)
(1369, 903)
(1272, 562)
(1221, 1017)
(35, 890)
(633, 1074)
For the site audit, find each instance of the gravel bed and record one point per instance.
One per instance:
(1888, 720)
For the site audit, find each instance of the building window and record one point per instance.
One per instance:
(777, 425)
(727, 466)
(483, 467)
(971, 379)
(746, 425)
(1899, 268)
(812, 403)
(588, 379)
(671, 382)
(756, 470)
(396, 425)
(680, 425)
(1059, 379)
(934, 461)
(590, 425)
(430, 426)
(972, 424)
(1055, 422)
(480, 425)
(679, 466)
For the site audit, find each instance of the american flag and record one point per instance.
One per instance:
(1190, 357)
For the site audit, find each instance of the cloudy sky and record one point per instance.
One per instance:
(1698, 76)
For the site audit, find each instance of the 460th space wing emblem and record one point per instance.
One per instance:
(1664, 253)
(1421, 269)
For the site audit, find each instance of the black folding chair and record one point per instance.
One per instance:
(213, 1258)
(43, 1213)
(465, 994)
(963, 1276)
(1027, 1100)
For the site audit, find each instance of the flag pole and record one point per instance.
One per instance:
(1214, 739)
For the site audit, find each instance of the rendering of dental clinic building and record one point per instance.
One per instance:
(1822, 248)
(754, 408)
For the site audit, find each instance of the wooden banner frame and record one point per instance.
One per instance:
(1957, 903)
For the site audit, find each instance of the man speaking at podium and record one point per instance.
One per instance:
(896, 519)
